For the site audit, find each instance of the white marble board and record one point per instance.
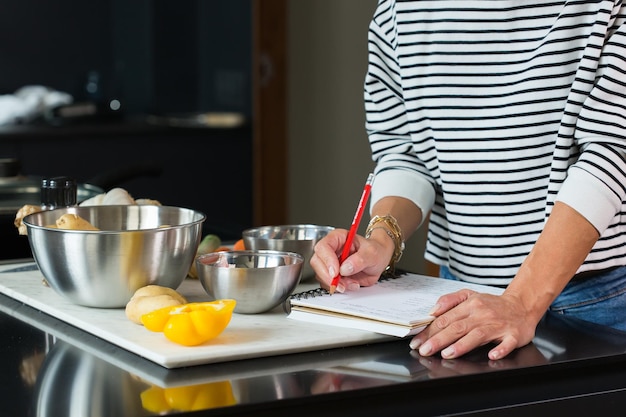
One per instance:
(247, 336)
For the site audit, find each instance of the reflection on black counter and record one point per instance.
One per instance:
(22, 352)
(72, 382)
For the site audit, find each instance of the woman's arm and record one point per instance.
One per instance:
(466, 320)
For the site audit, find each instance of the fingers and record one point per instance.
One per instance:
(325, 259)
(478, 320)
(362, 267)
(449, 301)
(449, 327)
(455, 339)
(508, 345)
(325, 262)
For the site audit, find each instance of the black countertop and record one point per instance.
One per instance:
(571, 367)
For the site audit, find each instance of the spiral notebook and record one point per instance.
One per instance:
(396, 306)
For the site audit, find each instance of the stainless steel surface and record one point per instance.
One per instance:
(298, 238)
(135, 246)
(257, 280)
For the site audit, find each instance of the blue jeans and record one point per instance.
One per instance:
(600, 299)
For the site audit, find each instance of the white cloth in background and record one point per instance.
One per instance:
(30, 102)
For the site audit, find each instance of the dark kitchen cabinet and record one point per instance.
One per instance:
(161, 60)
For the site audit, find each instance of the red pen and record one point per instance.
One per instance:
(355, 225)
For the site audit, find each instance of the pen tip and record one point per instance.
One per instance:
(332, 289)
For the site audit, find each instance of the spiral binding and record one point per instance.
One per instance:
(309, 294)
(318, 292)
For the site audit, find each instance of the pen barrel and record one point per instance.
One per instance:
(356, 220)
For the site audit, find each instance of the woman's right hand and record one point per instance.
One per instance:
(367, 260)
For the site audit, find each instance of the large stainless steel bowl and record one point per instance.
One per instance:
(257, 280)
(136, 246)
(298, 238)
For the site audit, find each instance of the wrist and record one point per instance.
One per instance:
(534, 292)
(384, 239)
(389, 225)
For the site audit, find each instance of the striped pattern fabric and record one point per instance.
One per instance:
(487, 112)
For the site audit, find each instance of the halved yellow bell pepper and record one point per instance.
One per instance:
(191, 324)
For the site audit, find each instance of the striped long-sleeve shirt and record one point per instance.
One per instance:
(484, 113)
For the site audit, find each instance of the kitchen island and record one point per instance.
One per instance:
(51, 368)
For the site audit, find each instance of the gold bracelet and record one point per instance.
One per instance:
(393, 231)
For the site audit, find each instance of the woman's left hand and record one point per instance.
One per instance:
(466, 320)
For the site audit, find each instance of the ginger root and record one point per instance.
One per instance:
(21, 213)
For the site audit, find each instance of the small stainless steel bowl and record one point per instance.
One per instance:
(257, 280)
(298, 238)
(137, 245)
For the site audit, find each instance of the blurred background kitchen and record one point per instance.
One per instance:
(248, 110)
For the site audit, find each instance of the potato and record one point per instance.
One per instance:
(139, 306)
(152, 290)
(150, 298)
(147, 202)
(71, 221)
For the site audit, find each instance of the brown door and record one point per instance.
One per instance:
(270, 112)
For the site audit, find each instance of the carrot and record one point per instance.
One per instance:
(239, 245)
(222, 249)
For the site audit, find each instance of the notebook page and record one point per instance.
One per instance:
(405, 300)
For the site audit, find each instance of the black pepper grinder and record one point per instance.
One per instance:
(58, 192)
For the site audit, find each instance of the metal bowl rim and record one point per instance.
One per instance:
(255, 232)
(297, 256)
(29, 225)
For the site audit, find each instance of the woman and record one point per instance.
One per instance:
(505, 123)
